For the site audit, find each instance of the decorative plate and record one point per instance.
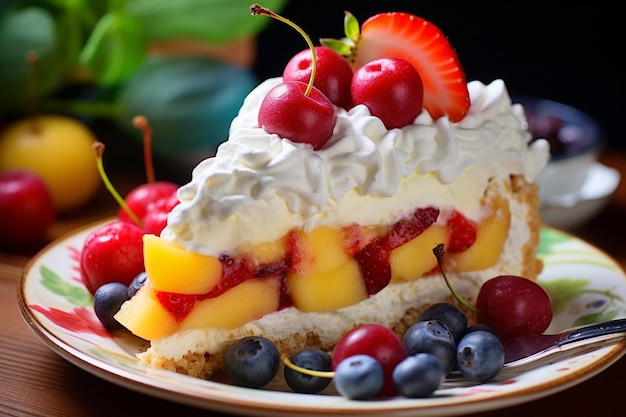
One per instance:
(585, 285)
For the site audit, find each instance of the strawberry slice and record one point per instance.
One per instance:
(462, 232)
(403, 35)
(373, 259)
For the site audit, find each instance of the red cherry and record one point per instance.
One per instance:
(112, 253)
(333, 77)
(26, 209)
(156, 219)
(392, 90)
(297, 110)
(289, 113)
(377, 341)
(141, 197)
(514, 306)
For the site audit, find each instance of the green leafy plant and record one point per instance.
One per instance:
(104, 46)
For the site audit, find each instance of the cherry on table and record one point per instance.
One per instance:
(27, 209)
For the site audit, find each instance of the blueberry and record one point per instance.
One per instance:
(480, 356)
(450, 315)
(252, 361)
(107, 301)
(137, 283)
(309, 358)
(359, 377)
(434, 337)
(418, 376)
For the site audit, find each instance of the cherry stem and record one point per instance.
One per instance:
(140, 122)
(99, 149)
(439, 252)
(306, 371)
(256, 9)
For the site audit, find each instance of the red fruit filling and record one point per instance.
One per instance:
(373, 260)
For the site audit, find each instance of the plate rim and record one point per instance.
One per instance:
(404, 407)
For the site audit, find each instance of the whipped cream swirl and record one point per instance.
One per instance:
(257, 187)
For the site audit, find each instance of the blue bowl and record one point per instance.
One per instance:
(569, 185)
(570, 131)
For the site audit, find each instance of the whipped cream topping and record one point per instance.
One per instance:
(257, 186)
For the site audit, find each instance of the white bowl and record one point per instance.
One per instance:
(569, 211)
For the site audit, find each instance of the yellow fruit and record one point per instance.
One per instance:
(328, 290)
(415, 258)
(145, 316)
(491, 233)
(60, 150)
(321, 249)
(269, 252)
(171, 268)
(248, 301)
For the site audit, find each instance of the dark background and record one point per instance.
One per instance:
(571, 53)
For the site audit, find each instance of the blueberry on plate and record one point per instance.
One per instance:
(313, 359)
(359, 377)
(251, 361)
(450, 315)
(480, 356)
(433, 337)
(107, 301)
(419, 376)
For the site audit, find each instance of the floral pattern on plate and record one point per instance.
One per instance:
(585, 285)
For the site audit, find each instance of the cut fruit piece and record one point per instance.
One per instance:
(246, 302)
(491, 233)
(145, 317)
(269, 252)
(321, 249)
(173, 269)
(415, 258)
(328, 290)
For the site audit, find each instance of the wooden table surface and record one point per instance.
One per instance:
(35, 381)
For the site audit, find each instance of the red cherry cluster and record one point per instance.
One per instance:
(315, 80)
(114, 252)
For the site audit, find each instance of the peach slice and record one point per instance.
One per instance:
(270, 252)
(171, 268)
(415, 258)
(145, 316)
(322, 249)
(491, 234)
(246, 302)
(325, 290)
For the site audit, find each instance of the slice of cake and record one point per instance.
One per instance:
(274, 238)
